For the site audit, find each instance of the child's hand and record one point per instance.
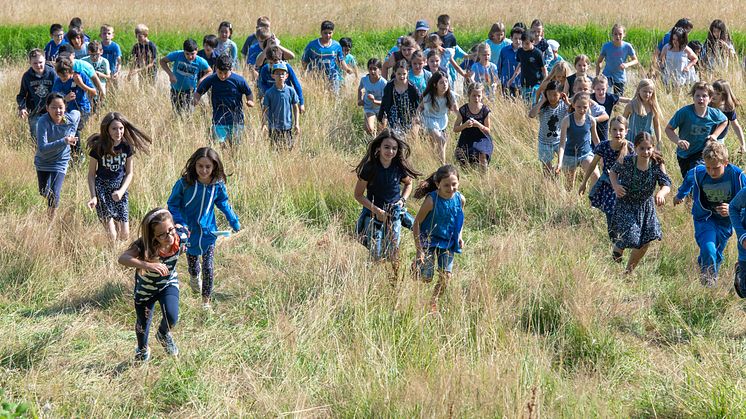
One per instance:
(117, 195)
(302, 108)
(660, 199)
(92, 203)
(172, 78)
(71, 140)
(371, 97)
(723, 210)
(677, 201)
(296, 129)
(23, 113)
(557, 169)
(380, 214)
(683, 144)
(581, 190)
(460, 242)
(622, 66)
(70, 97)
(159, 268)
(250, 103)
(619, 190)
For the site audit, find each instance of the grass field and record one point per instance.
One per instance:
(537, 322)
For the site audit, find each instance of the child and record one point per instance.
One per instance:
(407, 47)
(678, 61)
(144, 54)
(447, 60)
(508, 63)
(110, 171)
(349, 59)
(531, 68)
(608, 100)
(554, 47)
(583, 85)
(697, 123)
(541, 43)
(635, 222)
(227, 108)
(187, 66)
(209, 43)
(437, 101)
(75, 38)
(266, 81)
(737, 219)
(273, 42)
(551, 110)
(438, 227)
(445, 32)
(400, 101)
(418, 76)
(381, 174)
(473, 123)
(280, 110)
(370, 94)
(602, 195)
(55, 135)
(100, 64)
(712, 185)
(643, 112)
(616, 53)
(262, 35)
(83, 67)
(75, 88)
(421, 28)
(577, 138)
(192, 202)
(434, 61)
(560, 73)
(154, 256)
(77, 23)
(111, 50)
(53, 46)
(724, 100)
(324, 55)
(582, 62)
(36, 84)
(226, 46)
(496, 41)
(261, 22)
(484, 71)
(718, 49)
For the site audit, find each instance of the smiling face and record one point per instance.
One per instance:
(165, 233)
(645, 149)
(204, 167)
(58, 36)
(224, 33)
(56, 110)
(448, 186)
(581, 67)
(116, 132)
(516, 38)
(37, 64)
(646, 94)
(387, 151)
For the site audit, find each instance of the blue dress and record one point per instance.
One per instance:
(602, 195)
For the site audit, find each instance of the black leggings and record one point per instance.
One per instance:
(208, 269)
(169, 301)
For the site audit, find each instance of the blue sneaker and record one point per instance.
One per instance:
(142, 355)
(168, 343)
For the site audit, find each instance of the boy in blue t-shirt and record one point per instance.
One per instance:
(100, 65)
(508, 63)
(266, 80)
(696, 123)
(75, 89)
(616, 53)
(111, 50)
(227, 109)
(280, 110)
(57, 36)
(183, 77)
(325, 55)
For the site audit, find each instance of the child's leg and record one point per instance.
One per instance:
(208, 272)
(50, 187)
(483, 162)
(635, 256)
(439, 143)
(169, 301)
(194, 269)
(144, 312)
(110, 227)
(585, 164)
(123, 229)
(445, 266)
(569, 178)
(370, 124)
(705, 235)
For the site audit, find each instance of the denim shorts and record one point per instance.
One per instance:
(572, 162)
(444, 259)
(547, 152)
(230, 133)
(381, 239)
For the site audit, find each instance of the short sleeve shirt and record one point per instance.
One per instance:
(227, 107)
(375, 89)
(324, 58)
(694, 128)
(531, 64)
(112, 52)
(615, 56)
(279, 104)
(186, 71)
(384, 183)
(112, 167)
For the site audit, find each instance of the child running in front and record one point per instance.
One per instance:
(713, 185)
(724, 99)
(551, 109)
(635, 222)
(380, 175)
(437, 101)
(110, 171)
(438, 228)
(192, 202)
(473, 125)
(154, 256)
(370, 93)
(578, 136)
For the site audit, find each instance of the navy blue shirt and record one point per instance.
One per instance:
(449, 40)
(602, 128)
(384, 183)
(34, 90)
(531, 64)
(227, 107)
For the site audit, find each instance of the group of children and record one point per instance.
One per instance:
(575, 125)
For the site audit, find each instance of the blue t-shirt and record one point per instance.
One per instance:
(81, 102)
(101, 66)
(486, 75)
(227, 107)
(112, 52)
(420, 82)
(496, 48)
(279, 104)
(375, 89)
(254, 51)
(82, 67)
(324, 58)
(51, 50)
(186, 71)
(615, 56)
(507, 66)
(694, 128)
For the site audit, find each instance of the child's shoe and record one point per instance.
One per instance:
(142, 355)
(167, 341)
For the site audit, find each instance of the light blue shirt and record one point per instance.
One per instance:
(615, 56)
(186, 71)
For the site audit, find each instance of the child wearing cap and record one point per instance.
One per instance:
(554, 46)
(280, 109)
(421, 28)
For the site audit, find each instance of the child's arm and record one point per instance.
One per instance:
(298, 88)
(543, 72)
(360, 186)
(100, 88)
(534, 111)
(92, 166)
(563, 141)
(21, 100)
(692, 59)
(221, 201)
(296, 118)
(128, 175)
(627, 111)
(360, 93)
(287, 55)
(406, 191)
(735, 209)
(657, 129)
(457, 67)
(80, 83)
(389, 63)
(175, 201)
(671, 134)
(718, 130)
(739, 134)
(484, 127)
(425, 209)
(106, 74)
(164, 65)
(207, 71)
(685, 188)
(594, 131)
(515, 74)
(202, 88)
(600, 61)
(131, 259)
(660, 197)
(459, 125)
(624, 100)
(631, 63)
(620, 190)
(588, 172)
(461, 231)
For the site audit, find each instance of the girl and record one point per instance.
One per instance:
(608, 100)
(616, 53)
(602, 195)
(724, 100)
(643, 112)
(226, 46)
(635, 222)
(110, 171)
(551, 110)
(400, 101)
(447, 60)
(418, 76)
(407, 47)
(560, 74)
(55, 135)
(484, 70)
(192, 203)
(718, 48)
(438, 227)
(154, 256)
(381, 173)
(496, 41)
(678, 60)
(583, 85)
(577, 138)
(370, 93)
(437, 101)
(582, 62)
(473, 123)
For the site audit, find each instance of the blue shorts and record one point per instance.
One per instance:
(572, 162)
(444, 259)
(230, 133)
(547, 152)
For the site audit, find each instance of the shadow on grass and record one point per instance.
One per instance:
(102, 298)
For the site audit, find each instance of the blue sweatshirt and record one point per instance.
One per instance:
(52, 152)
(738, 220)
(194, 207)
(693, 182)
(34, 90)
(265, 81)
(81, 102)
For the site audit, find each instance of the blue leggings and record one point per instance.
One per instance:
(208, 269)
(169, 301)
(712, 237)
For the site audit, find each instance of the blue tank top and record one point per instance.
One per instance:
(578, 137)
(442, 225)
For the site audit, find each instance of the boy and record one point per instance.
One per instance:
(349, 59)
(111, 50)
(266, 80)
(530, 66)
(77, 23)
(57, 36)
(616, 53)
(508, 63)
(100, 64)
(261, 22)
(713, 186)
(697, 123)
(209, 43)
(227, 108)
(144, 54)
(75, 38)
(537, 28)
(36, 84)
(324, 55)
(280, 110)
(75, 88)
(186, 68)
(80, 66)
(554, 46)
(261, 35)
(445, 32)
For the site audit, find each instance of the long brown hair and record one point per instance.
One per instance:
(147, 231)
(431, 183)
(102, 144)
(189, 173)
(401, 159)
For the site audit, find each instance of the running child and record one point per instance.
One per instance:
(209, 43)
(110, 171)
(508, 63)
(718, 49)
(581, 63)
(370, 94)
(111, 50)
(400, 101)
(619, 56)
(57, 35)
(144, 54)
(324, 55)
(474, 145)
(36, 84)
(280, 110)
(193, 199)
(484, 71)
(560, 73)
(678, 61)
(101, 65)
(608, 100)
(530, 67)
(724, 99)
(418, 75)
(642, 112)
(265, 81)
(407, 47)
(226, 46)
(496, 40)
(437, 102)
(154, 256)
(187, 66)
(75, 88)
(577, 138)
(551, 109)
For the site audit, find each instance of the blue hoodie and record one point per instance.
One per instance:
(34, 90)
(738, 220)
(693, 182)
(194, 207)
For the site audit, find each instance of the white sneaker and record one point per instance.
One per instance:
(195, 283)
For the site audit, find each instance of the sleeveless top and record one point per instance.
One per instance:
(443, 224)
(638, 124)
(578, 137)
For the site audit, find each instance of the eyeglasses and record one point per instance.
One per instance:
(164, 236)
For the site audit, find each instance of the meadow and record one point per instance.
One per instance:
(537, 322)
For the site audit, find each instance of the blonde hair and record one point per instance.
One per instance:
(562, 68)
(619, 119)
(715, 150)
(482, 48)
(638, 106)
(581, 57)
(580, 80)
(141, 29)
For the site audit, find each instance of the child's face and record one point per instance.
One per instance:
(374, 71)
(165, 233)
(326, 35)
(485, 55)
(116, 131)
(617, 36)
(645, 149)
(443, 28)
(676, 41)
(538, 32)
(434, 63)
(387, 151)
(618, 131)
(280, 76)
(346, 50)
(581, 107)
(715, 168)
(56, 109)
(142, 38)
(64, 76)
(107, 35)
(407, 52)
(701, 98)
(204, 168)
(420, 34)
(95, 55)
(208, 50)
(224, 33)
(442, 86)
(223, 74)
(448, 186)
(553, 97)
(516, 38)
(417, 65)
(37, 64)
(401, 74)
(582, 88)
(581, 67)
(716, 33)
(528, 45)
(600, 89)
(58, 36)
(646, 93)
(190, 55)
(497, 36)
(77, 42)
(476, 96)
(717, 98)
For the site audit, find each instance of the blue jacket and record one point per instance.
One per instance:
(693, 180)
(738, 220)
(34, 90)
(194, 207)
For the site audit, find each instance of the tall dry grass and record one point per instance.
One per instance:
(537, 320)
